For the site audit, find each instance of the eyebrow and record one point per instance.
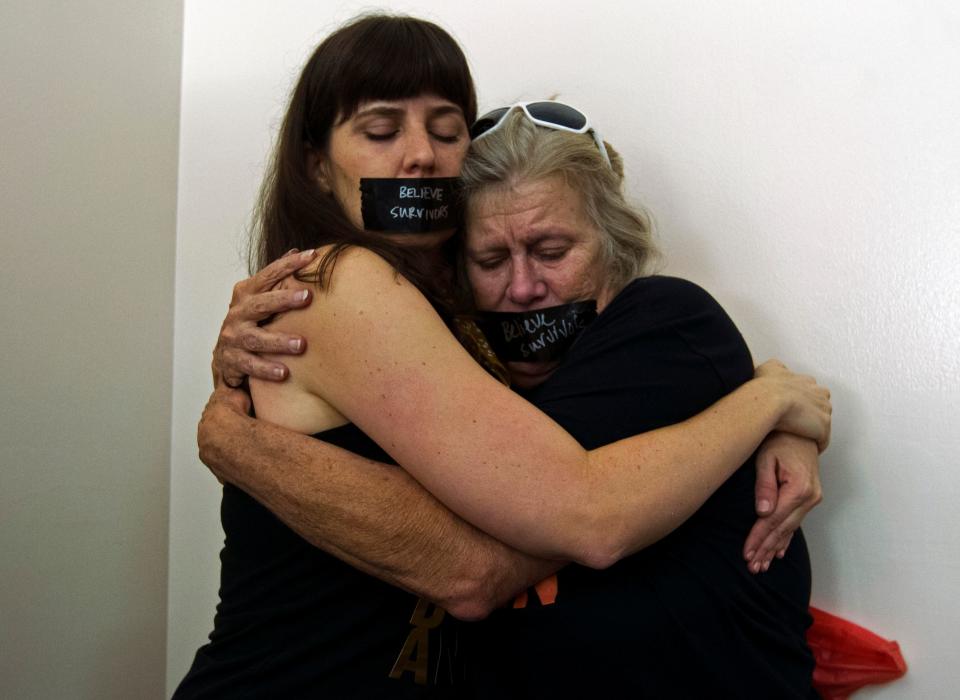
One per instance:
(535, 239)
(379, 111)
(388, 111)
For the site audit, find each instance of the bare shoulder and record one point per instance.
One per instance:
(357, 282)
(330, 325)
(367, 326)
(361, 271)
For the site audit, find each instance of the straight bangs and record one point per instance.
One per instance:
(399, 59)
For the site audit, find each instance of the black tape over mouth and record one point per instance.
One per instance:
(542, 335)
(410, 205)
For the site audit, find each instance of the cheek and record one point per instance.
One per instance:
(347, 193)
(574, 281)
(450, 160)
(488, 287)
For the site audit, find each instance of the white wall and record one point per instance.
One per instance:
(88, 156)
(803, 163)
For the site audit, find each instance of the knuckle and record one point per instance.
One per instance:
(245, 364)
(249, 342)
(239, 291)
(231, 316)
(274, 272)
(261, 307)
(232, 379)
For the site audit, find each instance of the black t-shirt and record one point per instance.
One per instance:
(682, 618)
(295, 622)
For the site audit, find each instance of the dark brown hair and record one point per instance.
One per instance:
(373, 57)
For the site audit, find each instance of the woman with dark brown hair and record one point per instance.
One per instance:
(293, 621)
(374, 136)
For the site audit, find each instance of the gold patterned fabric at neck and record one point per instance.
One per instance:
(475, 342)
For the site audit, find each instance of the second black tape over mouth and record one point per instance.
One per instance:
(410, 205)
(541, 335)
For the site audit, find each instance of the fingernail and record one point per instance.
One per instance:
(781, 554)
(763, 506)
(766, 566)
(295, 344)
(307, 254)
(301, 295)
(278, 372)
(751, 553)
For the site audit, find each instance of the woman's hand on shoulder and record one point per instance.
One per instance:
(242, 339)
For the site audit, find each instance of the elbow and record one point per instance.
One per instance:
(469, 599)
(470, 611)
(599, 560)
(601, 555)
(482, 585)
(601, 543)
(592, 525)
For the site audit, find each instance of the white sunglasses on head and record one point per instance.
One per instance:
(552, 115)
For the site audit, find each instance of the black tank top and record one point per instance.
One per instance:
(295, 622)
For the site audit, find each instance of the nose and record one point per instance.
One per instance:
(419, 157)
(526, 286)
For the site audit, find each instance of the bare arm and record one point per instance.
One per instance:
(386, 362)
(373, 516)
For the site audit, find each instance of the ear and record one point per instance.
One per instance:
(316, 167)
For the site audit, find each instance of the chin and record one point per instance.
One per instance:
(423, 241)
(527, 375)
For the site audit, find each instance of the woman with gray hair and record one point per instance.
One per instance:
(548, 229)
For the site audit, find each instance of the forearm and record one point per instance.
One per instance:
(667, 474)
(373, 516)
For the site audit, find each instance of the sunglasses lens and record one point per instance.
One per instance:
(487, 122)
(557, 113)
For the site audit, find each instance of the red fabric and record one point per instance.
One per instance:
(849, 657)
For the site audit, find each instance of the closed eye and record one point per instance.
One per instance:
(380, 136)
(488, 263)
(551, 254)
(446, 137)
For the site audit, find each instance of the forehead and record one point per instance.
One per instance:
(525, 212)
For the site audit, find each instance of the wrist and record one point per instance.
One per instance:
(778, 401)
(216, 435)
